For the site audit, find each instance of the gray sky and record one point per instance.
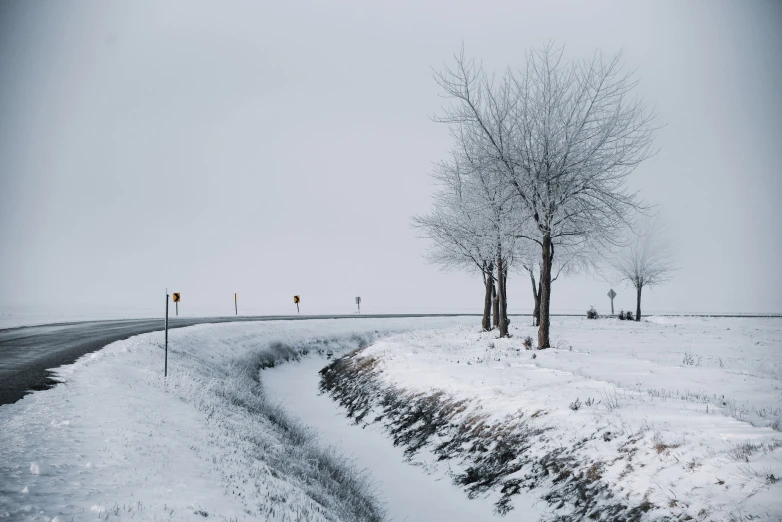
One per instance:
(271, 149)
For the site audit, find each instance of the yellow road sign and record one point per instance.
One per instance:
(296, 299)
(176, 297)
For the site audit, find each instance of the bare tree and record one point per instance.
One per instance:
(492, 202)
(454, 247)
(646, 261)
(457, 233)
(473, 222)
(564, 136)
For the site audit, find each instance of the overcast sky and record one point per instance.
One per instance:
(280, 148)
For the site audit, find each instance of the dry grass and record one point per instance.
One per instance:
(661, 446)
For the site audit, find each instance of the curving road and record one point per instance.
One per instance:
(27, 353)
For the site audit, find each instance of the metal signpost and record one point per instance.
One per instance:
(358, 303)
(165, 367)
(296, 299)
(611, 295)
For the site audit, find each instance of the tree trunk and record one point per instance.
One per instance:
(495, 305)
(536, 296)
(638, 305)
(545, 294)
(505, 297)
(487, 276)
(501, 298)
(537, 312)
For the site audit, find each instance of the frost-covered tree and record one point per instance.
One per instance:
(564, 136)
(453, 247)
(646, 261)
(469, 227)
(492, 204)
(456, 238)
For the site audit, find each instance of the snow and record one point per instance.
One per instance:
(115, 439)
(698, 401)
(410, 493)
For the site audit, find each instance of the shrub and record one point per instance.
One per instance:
(621, 315)
(629, 316)
(592, 313)
(528, 343)
(575, 405)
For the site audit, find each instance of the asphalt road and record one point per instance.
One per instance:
(27, 353)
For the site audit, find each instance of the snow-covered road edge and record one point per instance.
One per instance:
(116, 439)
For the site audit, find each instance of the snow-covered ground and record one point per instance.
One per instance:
(672, 416)
(116, 441)
(675, 416)
(409, 493)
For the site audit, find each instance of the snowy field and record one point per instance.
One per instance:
(671, 417)
(116, 441)
(674, 417)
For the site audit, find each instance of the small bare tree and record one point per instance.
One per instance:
(646, 261)
(466, 230)
(565, 137)
(492, 204)
(456, 244)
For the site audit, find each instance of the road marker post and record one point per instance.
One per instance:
(176, 300)
(611, 295)
(165, 367)
(297, 300)
(236, 305)
(358, 303)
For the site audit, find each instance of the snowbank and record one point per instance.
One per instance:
(623, 421)
(116, 440)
